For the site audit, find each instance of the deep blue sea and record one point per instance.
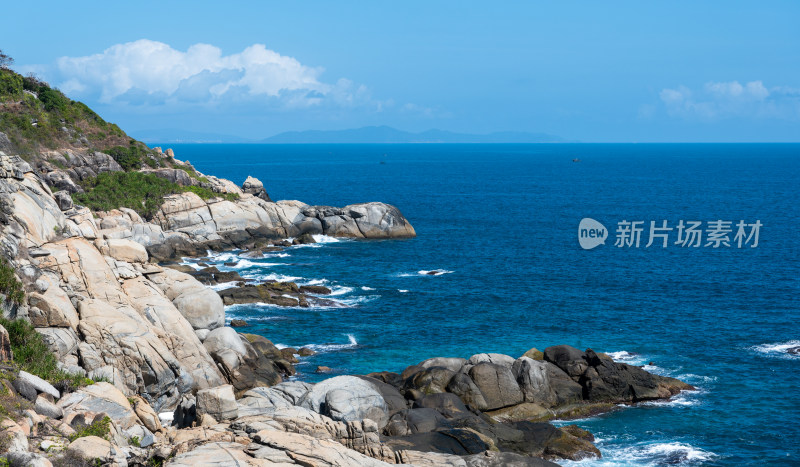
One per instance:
(502, 220)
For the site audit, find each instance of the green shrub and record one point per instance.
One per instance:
(54, 101)
(31, 354)
(129, 158)
(9, 285)
(99, 428)
(10, 85)
(142, 192)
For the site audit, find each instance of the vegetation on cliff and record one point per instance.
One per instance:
(142, 192)
(10, 286)
(37, 117)
(32, 354)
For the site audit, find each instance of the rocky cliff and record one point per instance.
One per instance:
(154, 375)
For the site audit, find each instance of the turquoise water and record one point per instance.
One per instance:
(502, 221)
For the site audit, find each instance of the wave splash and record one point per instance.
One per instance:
(778, 349)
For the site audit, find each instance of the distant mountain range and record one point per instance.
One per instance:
(365, 135)
(172, 136)
(386, 134)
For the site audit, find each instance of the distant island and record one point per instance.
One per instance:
(364, 135)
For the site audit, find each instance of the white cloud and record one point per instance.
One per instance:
(733, 99)
(152, 72)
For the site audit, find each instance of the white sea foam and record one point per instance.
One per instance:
(315, 282)
(325, 239)
(340, 290)
(424, 273)
(330, 347)
(247, 264)
(667, 453)
(683, 399)
(276, 255)
(225, 257)
(623, 356)
(658, 454)
(434, 272)
(272, 277)
(223, 286)
(366, 289)
(402, 290)
(192, 265)
(777, 349)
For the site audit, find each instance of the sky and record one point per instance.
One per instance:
(625, 71)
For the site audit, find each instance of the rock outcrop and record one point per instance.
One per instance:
(178, 386)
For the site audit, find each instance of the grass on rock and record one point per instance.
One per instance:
(139, 191)
(9, 285)
(31, 354)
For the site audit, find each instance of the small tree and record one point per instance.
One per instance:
(5, 60)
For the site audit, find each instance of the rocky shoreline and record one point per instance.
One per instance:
(173, 385)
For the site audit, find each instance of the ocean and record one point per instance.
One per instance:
(501, 224)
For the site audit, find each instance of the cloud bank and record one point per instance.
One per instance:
(147, 72)
(717, 100)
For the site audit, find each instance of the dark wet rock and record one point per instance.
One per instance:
(238, 323)
(275, 293)
(304, 239)
(289, 354)
(462, 385)
(213, 276)
(569, 359)
(412, 421)
(431, 380)
(793, 350)
(305, 352)
(243, 364)
(544, 383)
(526, 411)
(388, 377)
(578, 432)
(604, 380)
(315, 289)
(445, 403)
(427, 442)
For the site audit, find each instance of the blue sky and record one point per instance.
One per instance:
(589, 71)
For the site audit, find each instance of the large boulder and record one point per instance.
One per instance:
(254, 187)
(201, 306)
(412, 421)
(127, 250)
(218, 402)
(347, 398)
(571, 360)
(101, 397)
(608, 381)
(497, 385)
(544, 383)
(379, 220)
(244, 364)
(91, 449)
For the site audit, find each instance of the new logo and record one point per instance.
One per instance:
(591, 233)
